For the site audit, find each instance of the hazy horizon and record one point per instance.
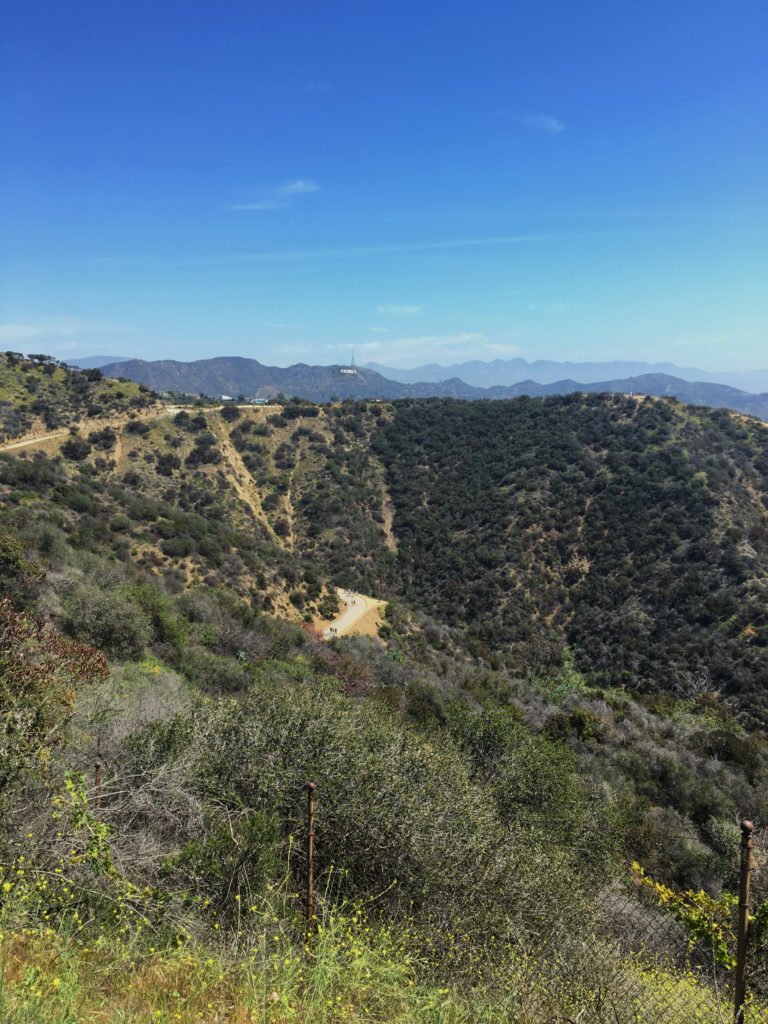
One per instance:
(409, 183)
(412, 364)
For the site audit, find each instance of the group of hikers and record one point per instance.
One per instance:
(349, 599)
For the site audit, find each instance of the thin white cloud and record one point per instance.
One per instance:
(500, 349)
(284, 327)
(19, 332)
(414, 350)
(296, 350)
(53, 328)
(446, 348)
(287, 255)
(299, 186)
(265, 204)
(278, 197)
(544, 123)
(380, 330)
(377, 250)
(558, 307)
(565, 307)
(364, 346)
(398, 310)
(443, 340)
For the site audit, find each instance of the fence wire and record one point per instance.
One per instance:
(640, 966)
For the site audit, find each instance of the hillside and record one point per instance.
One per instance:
(570, 675)
(236, 376)
(249, 378)
(630, 535)
(631, 532)
(37, 394)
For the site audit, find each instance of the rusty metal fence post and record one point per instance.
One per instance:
(743, 927)
(97, 766)
(311, 787)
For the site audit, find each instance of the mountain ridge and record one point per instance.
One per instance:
(480, 373)
(237, 375)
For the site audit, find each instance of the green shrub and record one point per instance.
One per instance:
(168, 627)
(233, 855)
(111, 620)
(138, 427)
(76, 448)
(167, 463)
(20, 576)
(391, 804)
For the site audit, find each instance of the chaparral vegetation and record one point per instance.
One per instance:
(569, 678)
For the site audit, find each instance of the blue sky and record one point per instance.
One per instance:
(411, 182)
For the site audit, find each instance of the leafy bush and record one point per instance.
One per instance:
(103, 439)
(394, 806)
(233, 855)
(76, 448)
(167, 463)
(111, 620)
(137, 427)
(20, 576)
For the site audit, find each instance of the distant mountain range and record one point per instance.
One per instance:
(235, 376)
(513, 371)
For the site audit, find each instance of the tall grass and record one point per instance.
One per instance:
(57, 966)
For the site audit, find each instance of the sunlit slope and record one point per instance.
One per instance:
(38, 396)
(625, 536)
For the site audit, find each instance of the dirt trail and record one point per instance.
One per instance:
(289, 511)
(361, 615)
(388, 510)
(97, 423)
(33, 440)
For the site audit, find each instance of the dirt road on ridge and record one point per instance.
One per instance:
(33, 440)
(97, 423)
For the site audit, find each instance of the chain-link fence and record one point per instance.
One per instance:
(668, 958)
(660, 973)
(637, 952)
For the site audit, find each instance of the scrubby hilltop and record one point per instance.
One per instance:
(39, 394)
